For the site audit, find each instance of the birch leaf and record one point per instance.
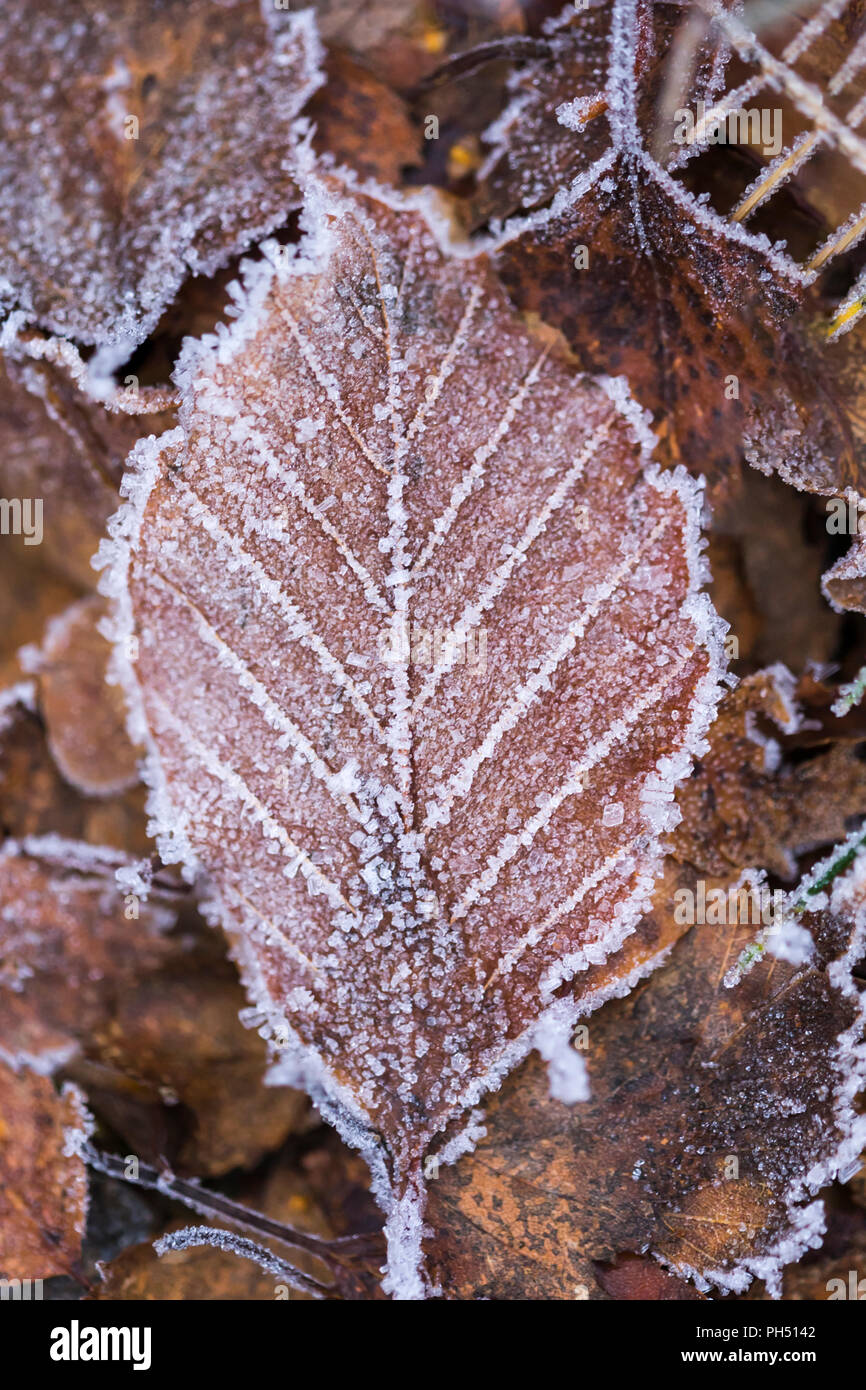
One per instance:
(139, 147)
(422, 658)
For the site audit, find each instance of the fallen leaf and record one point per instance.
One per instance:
(748, 803)
(85, 716)
(70, 940)
(64, 453)
(361, 122)
(645, 278)
(43, 1184)
(172, 1070)
(381, 866)
(140, 145)
(36, 800)
(717, 1111)
(633, 1277)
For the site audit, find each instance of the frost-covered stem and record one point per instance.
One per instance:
(350, 1253)
(213, 1237)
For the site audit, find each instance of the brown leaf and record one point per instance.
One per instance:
(416, 879)
(43, 1184)
(361, 122)
(140, 146)
(402, 41)
(693, 315)
(84, 715)
(36, 800)
(173, 1039)
(693, 307)
(767, 550)
(66, 452)
(747, 804)
(70, 942)
(636, 1277)
(687, 1076)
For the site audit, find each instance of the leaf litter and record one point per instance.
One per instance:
(286, 590)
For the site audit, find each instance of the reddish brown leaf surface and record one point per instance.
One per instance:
(85, 717)
(100, 220)
(171, 1068)
(694, 315)
(65, 450)
(361, 122)
(687, 1075)
(455, 828)
(70, 941)
(43, 1186)
(683, 300)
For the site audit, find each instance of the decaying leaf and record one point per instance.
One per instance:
(721, 1104)
(64, 454)
(43, 1186)
(361, 122)
(171, 1069)
(768, 546)
(139, 147)
(449, 695)
(646, 278)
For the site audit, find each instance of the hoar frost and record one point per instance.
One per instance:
(411, 857)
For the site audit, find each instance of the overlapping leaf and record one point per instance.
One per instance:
(718, 1111)
(697, 310)
(67, 946)
(139, 146)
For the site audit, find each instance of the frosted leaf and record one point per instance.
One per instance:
(139, 147)
(751, 803)
(83, 714)
(387, 728)
(43, 1182)
(715, 1117)
(693, 306)
(67, 946)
